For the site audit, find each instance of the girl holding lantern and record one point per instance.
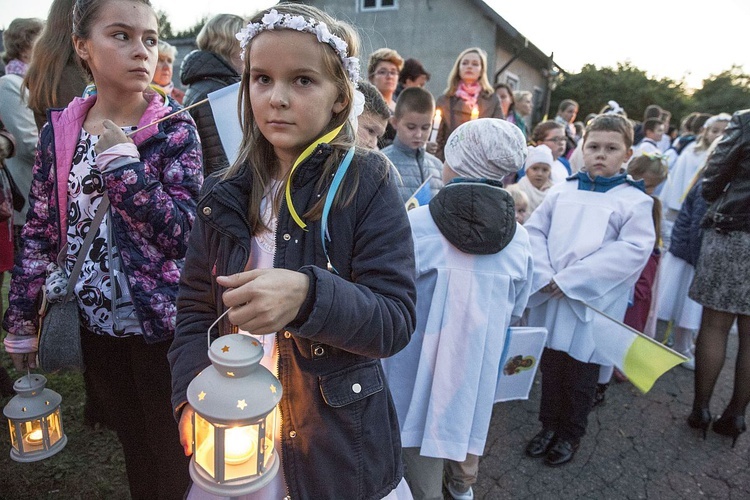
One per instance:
(469, 96)
(326, 304)
(127, 287)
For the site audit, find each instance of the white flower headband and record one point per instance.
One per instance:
(274, 20)
(614, 108)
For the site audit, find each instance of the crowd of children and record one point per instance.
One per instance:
(387, 325)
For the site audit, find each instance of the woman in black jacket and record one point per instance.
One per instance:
(722, 278)
(215, 65)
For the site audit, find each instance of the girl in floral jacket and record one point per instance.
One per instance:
(127, 287)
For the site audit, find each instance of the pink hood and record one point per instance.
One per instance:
(67, 123)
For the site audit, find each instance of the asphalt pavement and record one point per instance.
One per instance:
(638, 446)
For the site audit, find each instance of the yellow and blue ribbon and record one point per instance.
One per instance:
(305, 154)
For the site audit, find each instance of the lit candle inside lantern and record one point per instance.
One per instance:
(436, 125)
(475, 112)
(34, 437)
(238, 445)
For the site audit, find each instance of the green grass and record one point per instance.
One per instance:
(91, 465)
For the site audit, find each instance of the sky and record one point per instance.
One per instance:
(664, 38)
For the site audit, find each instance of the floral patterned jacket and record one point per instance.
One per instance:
(153, 203)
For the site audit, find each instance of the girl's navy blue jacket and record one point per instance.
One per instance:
(687, 234)
(340, 435)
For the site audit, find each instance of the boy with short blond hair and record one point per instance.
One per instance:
(590, 238)
(412, 121)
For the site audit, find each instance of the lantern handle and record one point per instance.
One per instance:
(208, 334)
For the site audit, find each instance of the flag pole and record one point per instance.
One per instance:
(133, 132)
(633, 330)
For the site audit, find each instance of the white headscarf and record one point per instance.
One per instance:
(486, 148)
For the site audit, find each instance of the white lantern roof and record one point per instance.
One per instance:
(224, 393)
(33, 400)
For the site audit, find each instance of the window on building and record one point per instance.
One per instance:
(365, 5)
(539, 104)
(512, 80)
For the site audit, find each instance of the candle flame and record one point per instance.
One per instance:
(35, 436)
(475, 112)
(238, 445)
(435, 125)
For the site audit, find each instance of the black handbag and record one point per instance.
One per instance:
(60, 323)
(18, 198)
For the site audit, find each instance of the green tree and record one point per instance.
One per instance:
(165, 27)
(729, 91)
(633, 90)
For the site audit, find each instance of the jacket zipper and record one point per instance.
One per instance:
(243, 215)
(278, 360)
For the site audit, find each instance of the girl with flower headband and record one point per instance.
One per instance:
(146, 189)
(305, 238)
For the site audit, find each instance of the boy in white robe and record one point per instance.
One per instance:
(591, 237)
(474, 271)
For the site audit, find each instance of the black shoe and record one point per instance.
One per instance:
(700, 418)
(540, 444)
(561, 453)
(730, 425)
(599, 395)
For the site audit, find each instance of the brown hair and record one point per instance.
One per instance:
(259, 153)
(611, 123)
(383, 55)
(505, 86)
(415, 99)
(648, 164)
(454, 77)
(52, 52)
(652, 111)
(541, 130)
(217, 35)
(650, 124)
(565, 104)
(374, 102)
(412, 70)
(20, 37)
(85, 13)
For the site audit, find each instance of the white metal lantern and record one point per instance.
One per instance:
(233, 426)
(36, 430)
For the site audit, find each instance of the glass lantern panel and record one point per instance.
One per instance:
(32, 436)
(270, 433)
(241, 451)
(12, 427)
(204, 445)
(53, 427)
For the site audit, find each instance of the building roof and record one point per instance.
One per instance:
(512, 38)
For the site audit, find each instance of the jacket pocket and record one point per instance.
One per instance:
(351, 384)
